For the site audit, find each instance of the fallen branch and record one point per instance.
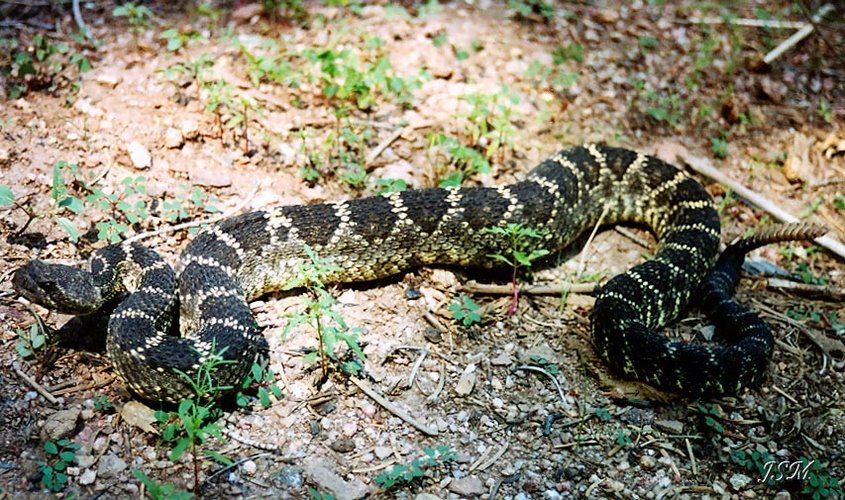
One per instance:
(826, 292)
(35, 385)
(392, 408)
(799, 35)
(704, 167)
(754, 23)
(490, 289)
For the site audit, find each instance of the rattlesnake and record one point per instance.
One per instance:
(242, 257)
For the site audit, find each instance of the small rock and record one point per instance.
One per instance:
(647, 462)
(466, 382)
(110, 465)
(289, 477)
(249, 467)
(84, 461)
(739, 481)
(607, 16)
(469, 486)
(173, 138)
(670, 426)
(782, 495)
(210, 177)
(140, 156)
(383, 452)
(322, 473)
(190, 129)
(108, 80)
(503, 359)
(60, 424)
(426, 496)
(88, 477)
(342, 445)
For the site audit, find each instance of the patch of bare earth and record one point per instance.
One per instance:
(652, 78)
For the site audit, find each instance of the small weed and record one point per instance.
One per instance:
(465, 310)
(528, 7)
(647, 42)
(719, 147)
(819, 483)
(388, 185)
(157, 491)
(603, 414)
(176, 39)
(102, 404)
(60, 454)
(29, 342)
(838, 201)
(520, 255)
(463, 161)
(753, 461)
(195, 420)
(545, 364)
(711, 414)
(665, 108)
(139, 17)
(264, 380)
(43, 65)
(824, 111)
(622, 437)
(319, 495)
(406, 474)
(321, 314)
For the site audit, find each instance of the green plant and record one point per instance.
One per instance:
(545, 364)
(754, 461)
(60, 454)
(158, 491)
(406, 474)
(665, 108)
(824, 111)
(622, 437)
(40, 66)
(195, 68)
(711, 417)
(529, 7)
(320, 313)
(263, 380)
(195, 420)
(603, 414)
(29, 341)
(177, 39)
(819, 483)
(465, 310)
(389, 185)
(102, 404)
(464, 161)
(719, 146)
(517, 252)
(139, 16)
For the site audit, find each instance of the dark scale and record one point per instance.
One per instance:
(566, 195)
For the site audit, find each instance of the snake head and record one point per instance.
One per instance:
(62, 288)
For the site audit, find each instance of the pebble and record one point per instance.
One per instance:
(190, 129)
(110, 465)
(290, 476)
(670, 426)
(249, 467)
(324, 476)
(739, 481)
(60, 424)
(466, 382)
(426, 496)
(383, 452)
(173, 138)
(88, 477)
(469, 486)
(140, 155)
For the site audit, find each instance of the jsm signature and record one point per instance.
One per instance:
(786, 470)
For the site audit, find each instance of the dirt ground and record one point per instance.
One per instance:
(207, 107)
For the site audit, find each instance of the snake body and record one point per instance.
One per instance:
(243, 257)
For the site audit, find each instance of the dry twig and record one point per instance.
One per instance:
(392, 408)
(704, 167)
(35, 385)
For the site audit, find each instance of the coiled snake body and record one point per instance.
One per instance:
(243, 257)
